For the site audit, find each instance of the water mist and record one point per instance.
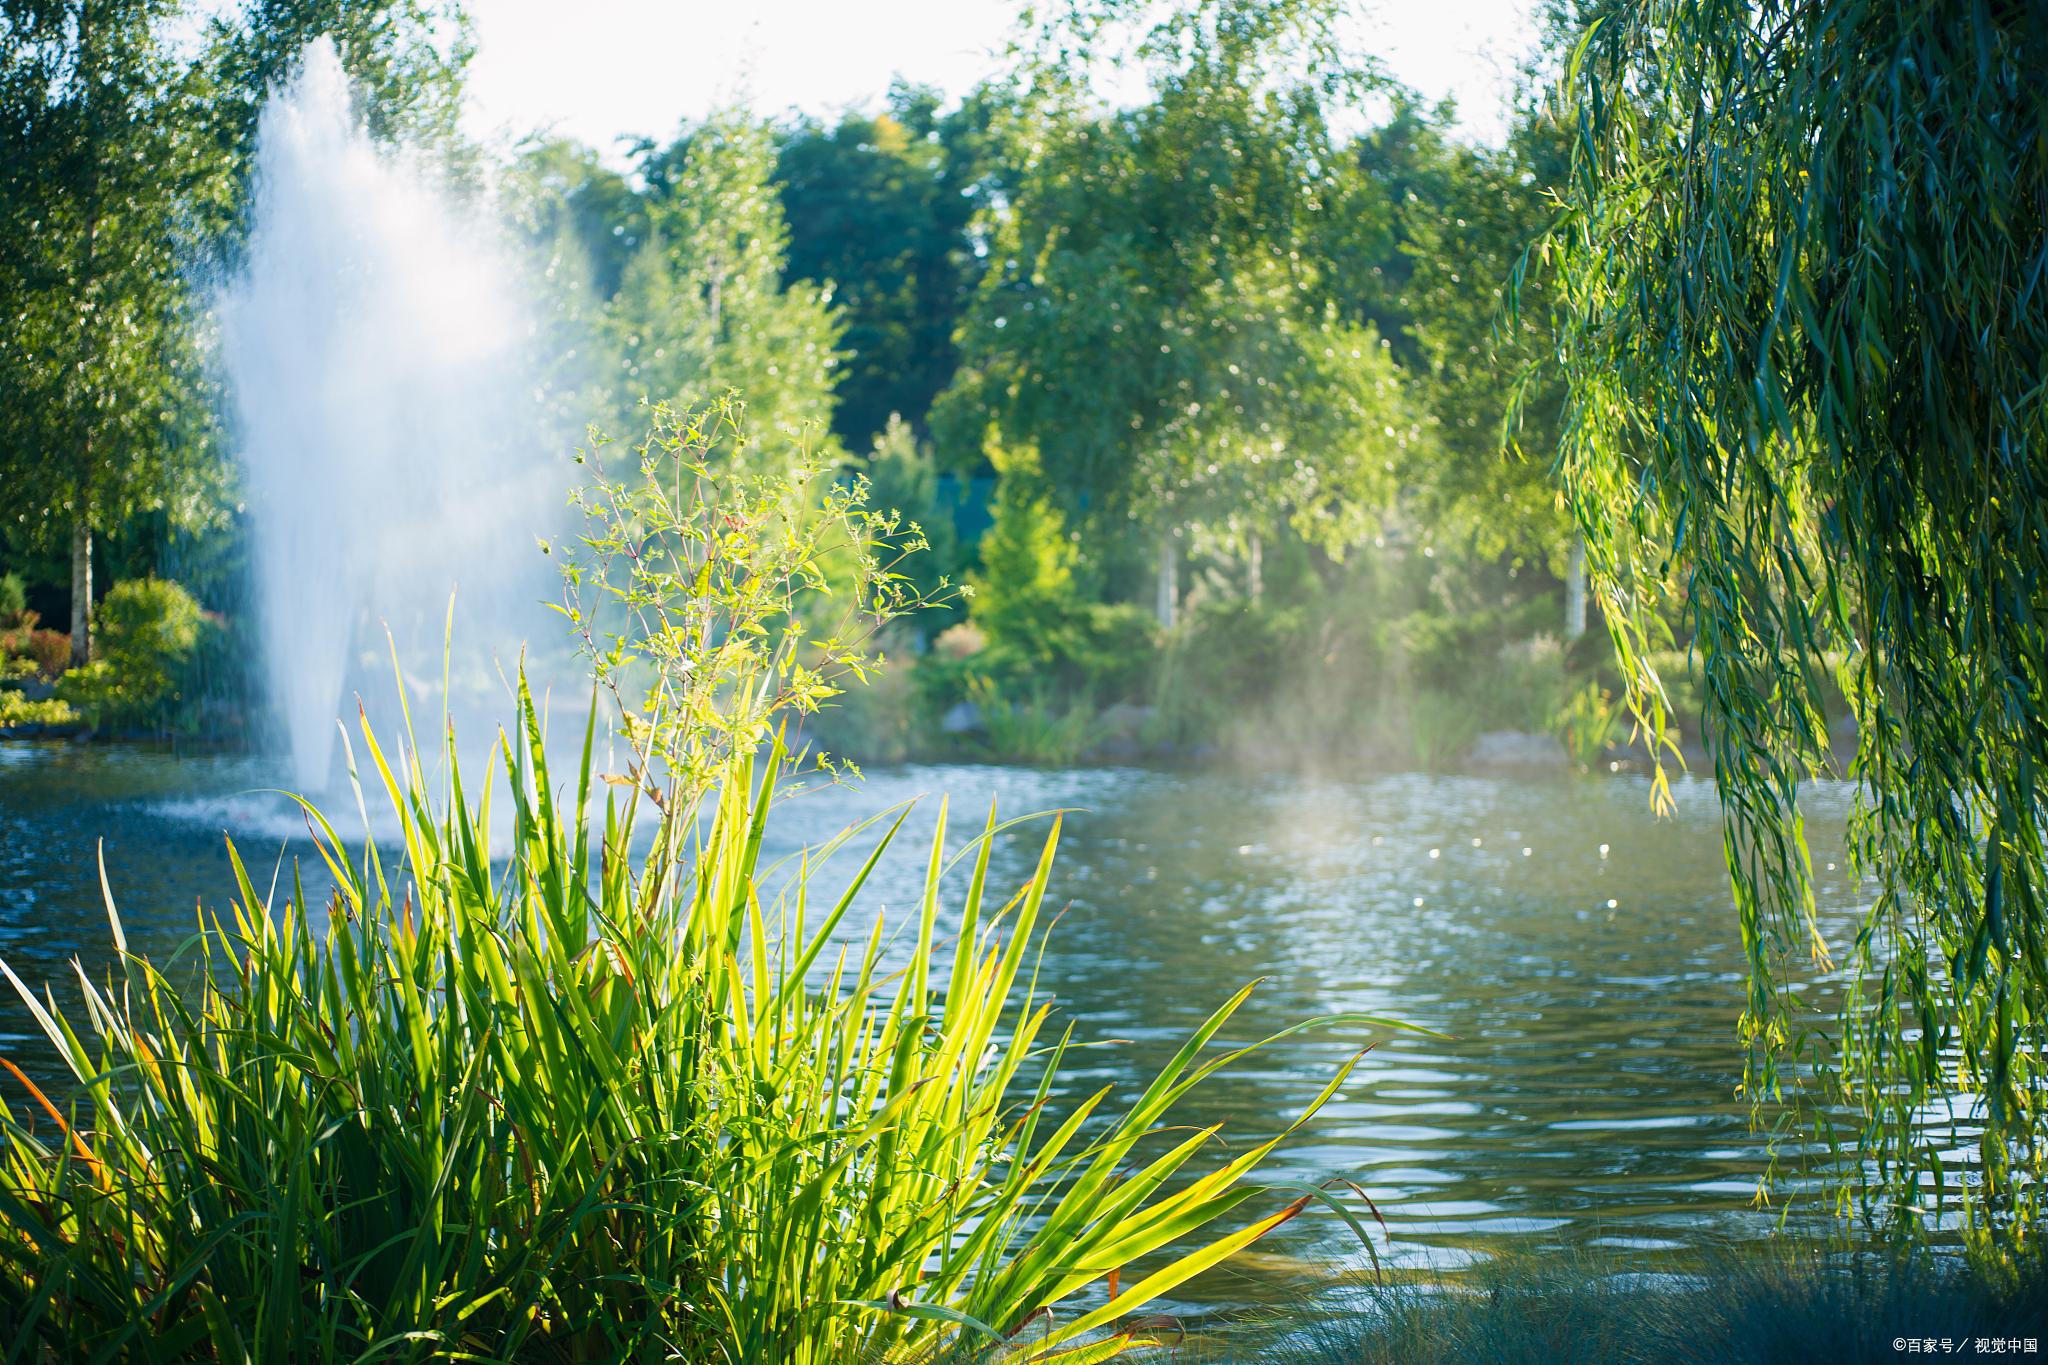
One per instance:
(377, 347)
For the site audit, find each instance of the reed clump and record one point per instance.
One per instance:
(583, 1079)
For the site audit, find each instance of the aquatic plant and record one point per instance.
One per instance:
(1034, 730)
(1587, 723)
(603, 1086)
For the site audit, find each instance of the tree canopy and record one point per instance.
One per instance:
(1159, 318)
(701, 308)
(122, 147)
(880, 209)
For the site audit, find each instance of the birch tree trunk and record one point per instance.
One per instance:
(81, 593)
(1255, 570)
(1166, 606)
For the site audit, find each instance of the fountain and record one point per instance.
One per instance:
(376, 344)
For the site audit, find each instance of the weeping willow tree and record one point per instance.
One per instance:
(1802, 275)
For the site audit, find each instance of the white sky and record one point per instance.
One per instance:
(598, 70)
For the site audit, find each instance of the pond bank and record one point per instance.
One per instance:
(1765, 1305)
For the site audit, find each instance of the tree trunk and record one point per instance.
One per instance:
(1255, 570)
(81, 593)
(1575, 591)
(85, 374)
(1166, 606)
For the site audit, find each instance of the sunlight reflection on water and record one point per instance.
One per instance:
(1581, 1092)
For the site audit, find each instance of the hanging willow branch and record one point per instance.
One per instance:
(1802, 280)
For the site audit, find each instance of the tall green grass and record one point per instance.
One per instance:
(1033, 731)
(578, 1078)
(541, 1100)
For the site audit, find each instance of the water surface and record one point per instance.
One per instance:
(1580, 958)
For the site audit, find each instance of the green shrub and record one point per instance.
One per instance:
(13, 600)
(148, 620)
(1108, 649)
(48, 651)
(1519, 687)
(1441, 646)
(1026, 580)
(148, 632)
(1042, 634)
(109, 697)
(1035, 730)
(1224, 664)
(1588, 723)
(18, 711)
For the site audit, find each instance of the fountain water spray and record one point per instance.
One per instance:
(376, 344)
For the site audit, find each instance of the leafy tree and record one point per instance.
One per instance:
(122, 142)
(582, 215)
(701, 309)
(1800, 293)
(1028, 562)
(405, 58)
(880, 209)
(104, 152)
(1155, 319)
(1413, 166)
(581, 224)
(1488, 480)
(1044, 631)
(152, 629)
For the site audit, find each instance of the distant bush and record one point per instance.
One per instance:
(47, 651)
(1441, 646)
(1520, 687)
(149, 632)
(1043, 634)
(149, 619)
(13, 600)
(1036, 729)
(17, 710)
(1228, 659)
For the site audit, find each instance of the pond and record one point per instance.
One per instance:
(1580, 958)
